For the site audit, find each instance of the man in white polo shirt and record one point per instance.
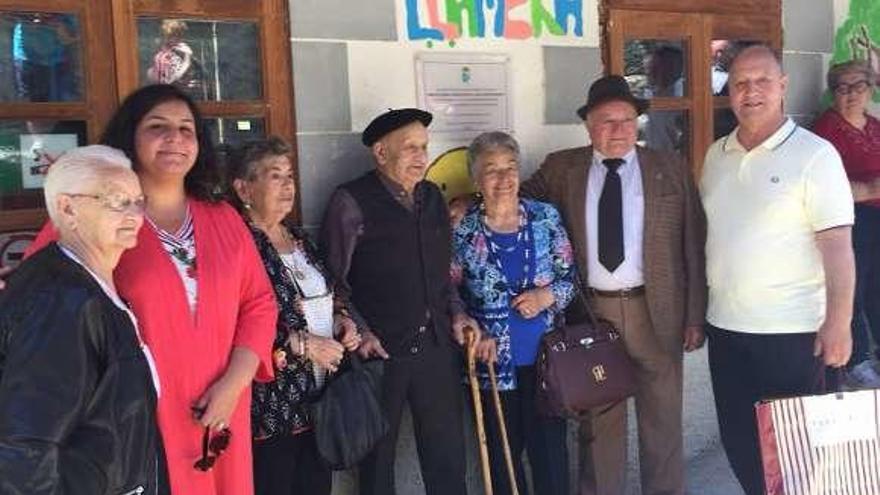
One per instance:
(779, 260)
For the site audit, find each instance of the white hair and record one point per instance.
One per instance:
(80, 170)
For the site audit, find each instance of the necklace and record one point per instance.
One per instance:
(181, 244)
(295, 270)
(523, 240)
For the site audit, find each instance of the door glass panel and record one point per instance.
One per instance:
(27, 149)
(723, 52)
(656, 67)
(228, 132)
(40, 57)
(210, 60)
(666, 130)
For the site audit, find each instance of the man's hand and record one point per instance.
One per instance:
(694, 337)
(834, 344)
(371, 346)
(834, 338)
(346, 332)
(460, 321)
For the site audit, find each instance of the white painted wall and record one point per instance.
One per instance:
(382, 75)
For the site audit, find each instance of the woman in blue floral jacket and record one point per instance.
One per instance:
(514, 269)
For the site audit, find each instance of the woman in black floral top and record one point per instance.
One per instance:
(313, 330)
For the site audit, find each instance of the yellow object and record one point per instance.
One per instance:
(449, 171)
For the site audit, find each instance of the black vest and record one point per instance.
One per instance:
(399, 272)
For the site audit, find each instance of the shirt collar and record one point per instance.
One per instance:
(731, 141)
(628, 158)
(397, 190)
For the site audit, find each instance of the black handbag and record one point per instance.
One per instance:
(347, 417)
(582, 366)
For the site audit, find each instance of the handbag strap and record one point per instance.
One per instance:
(835, 379)
(582, 291)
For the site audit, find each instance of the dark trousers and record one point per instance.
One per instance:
(866, 309)
(429, 380)
(290, 465)
(543, 438)
(747, 368)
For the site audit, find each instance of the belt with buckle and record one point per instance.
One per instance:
(622, 293)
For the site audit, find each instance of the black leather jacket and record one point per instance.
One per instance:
(76, 399)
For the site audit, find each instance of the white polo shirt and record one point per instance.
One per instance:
(763, 209)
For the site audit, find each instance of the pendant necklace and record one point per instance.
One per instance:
(295, 269)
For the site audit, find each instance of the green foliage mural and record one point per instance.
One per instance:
(859, 36)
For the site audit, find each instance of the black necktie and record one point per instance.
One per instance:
(611, 217)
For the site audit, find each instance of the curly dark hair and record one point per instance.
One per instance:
(203, 180)
(241, 163)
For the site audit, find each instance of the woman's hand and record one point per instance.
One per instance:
(487, 350)
(531, 302)
(324, 352)
(346, 332)
(214, 409)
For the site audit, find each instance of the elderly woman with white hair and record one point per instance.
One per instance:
(77, 385)
(512, 262)
(856, 136)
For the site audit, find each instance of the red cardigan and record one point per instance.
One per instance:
(859, 149)
(235, 307)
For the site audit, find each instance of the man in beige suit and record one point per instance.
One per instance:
(638, 229)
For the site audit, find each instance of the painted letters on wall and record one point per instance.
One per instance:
(447, 20)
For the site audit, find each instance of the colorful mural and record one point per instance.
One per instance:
(448, 20)
(859, 36)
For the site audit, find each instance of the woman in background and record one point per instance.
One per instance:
(856, 136)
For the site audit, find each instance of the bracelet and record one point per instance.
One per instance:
(304, 344)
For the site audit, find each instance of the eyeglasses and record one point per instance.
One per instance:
(216, 446)
(858, 87)
(118, 203)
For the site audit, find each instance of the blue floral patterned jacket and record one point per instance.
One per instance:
(483, 287)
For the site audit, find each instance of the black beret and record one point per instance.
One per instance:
(393, 120)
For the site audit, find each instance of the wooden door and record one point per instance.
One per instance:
(678, 59)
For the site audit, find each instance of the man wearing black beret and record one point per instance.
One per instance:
(386, 236)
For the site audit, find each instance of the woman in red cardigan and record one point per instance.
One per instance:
(856, 136)
(198, 288)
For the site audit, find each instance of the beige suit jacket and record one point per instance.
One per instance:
(674, 229)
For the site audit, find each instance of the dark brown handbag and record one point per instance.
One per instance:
(582, 366)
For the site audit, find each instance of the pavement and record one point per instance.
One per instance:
(707, 470)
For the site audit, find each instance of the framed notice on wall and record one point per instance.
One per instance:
(38, 152)
(468, 93)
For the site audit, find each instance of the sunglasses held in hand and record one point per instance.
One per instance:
(212, 447)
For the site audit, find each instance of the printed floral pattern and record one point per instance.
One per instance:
(483, 288)
(281, 406)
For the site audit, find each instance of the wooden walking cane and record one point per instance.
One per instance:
(508, 458)
(470, 342)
